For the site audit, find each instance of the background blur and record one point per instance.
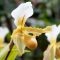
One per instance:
(46, 12)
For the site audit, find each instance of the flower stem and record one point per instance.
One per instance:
(10, 48)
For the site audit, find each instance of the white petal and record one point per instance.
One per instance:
(53, 34)
(55, 31)
(23, 10)
(3, 32)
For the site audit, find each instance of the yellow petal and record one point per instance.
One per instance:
(37, 31)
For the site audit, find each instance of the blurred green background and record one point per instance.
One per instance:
(46, 12)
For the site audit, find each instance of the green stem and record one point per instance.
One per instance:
(10, 48)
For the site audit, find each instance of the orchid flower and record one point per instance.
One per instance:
(3, 32)
(20, 14)
(52, 48)
(20, 35)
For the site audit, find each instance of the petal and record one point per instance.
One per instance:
(49, 53)
(55, 31)
(3, 32)
(19, 44)
(53, 34)
(24, 9)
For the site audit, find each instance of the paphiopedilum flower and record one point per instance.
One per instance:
(3, 32)
(52, 50)
(20, 35)
(20, 15)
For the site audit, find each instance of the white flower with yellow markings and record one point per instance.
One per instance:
(52, 51)
(20, 35)
(20, 15)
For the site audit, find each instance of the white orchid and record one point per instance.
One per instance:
(20, 36)
(54, 33)
(21, 14)
(50, 53)
(23, 10)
